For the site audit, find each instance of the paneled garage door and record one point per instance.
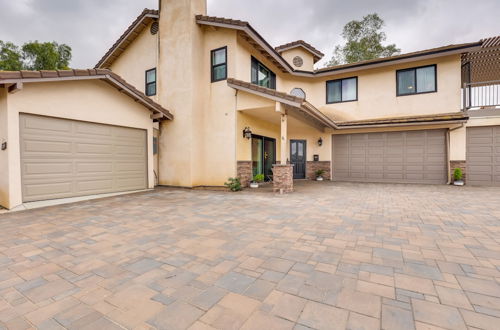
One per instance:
(483, 156)
(409, 156)
(67, 158)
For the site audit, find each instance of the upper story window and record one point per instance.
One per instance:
(261, 75)
(219, 64)
(151, 82)
(416, 80)
(342, 90)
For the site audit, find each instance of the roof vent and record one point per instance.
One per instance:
(155, 27)
(299, 92)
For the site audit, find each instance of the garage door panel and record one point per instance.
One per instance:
(483, 156)
(67, 158)
(409, 156)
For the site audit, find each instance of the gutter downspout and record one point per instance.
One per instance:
(448, 146)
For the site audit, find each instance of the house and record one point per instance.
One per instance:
(185, 99)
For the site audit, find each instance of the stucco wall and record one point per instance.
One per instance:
(86, 100)
(140, 55)
(4, 154)
(307, 58)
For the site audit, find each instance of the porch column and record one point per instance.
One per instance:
(283, 172)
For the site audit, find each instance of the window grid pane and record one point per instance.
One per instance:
(151, 76)
(406, 82)
(426, 81)
(219, 56)
(334, 91)
(219, 72)
(349, 89)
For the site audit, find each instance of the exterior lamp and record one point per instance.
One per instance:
(247, 133)
(320, 142)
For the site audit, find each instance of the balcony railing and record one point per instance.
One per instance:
(481, 95)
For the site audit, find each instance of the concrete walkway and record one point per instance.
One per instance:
(330, 256)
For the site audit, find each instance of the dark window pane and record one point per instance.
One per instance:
(426, 79)
(150, 76)
(219, 56)
(406, 82)
(151, 89)
(219, 72)
(349, 89)
(334, 91)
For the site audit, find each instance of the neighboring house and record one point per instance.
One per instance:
(242, 107)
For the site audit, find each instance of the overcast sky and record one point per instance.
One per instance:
(90, 27)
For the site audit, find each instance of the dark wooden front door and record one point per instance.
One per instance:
(298, 158)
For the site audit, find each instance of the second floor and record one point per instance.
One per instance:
(419, 83)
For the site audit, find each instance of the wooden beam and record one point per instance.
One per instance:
(16, 87)
(157, 115)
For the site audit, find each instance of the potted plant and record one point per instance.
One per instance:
(457, 176)
(233, 184)
(258, 178)
(319, 175)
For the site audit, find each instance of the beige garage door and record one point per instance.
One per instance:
(67, 158)
(483, 156)
(406, 157)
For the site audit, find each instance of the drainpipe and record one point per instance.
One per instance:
(448, 146)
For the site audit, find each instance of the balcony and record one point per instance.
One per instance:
(481, 95)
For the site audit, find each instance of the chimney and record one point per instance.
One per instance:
(180, 88)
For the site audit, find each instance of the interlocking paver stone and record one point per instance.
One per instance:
(330, 255)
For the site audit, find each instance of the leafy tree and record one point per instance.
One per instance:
(363, 41)
(46, 56)
(10, 57)
(34, 56)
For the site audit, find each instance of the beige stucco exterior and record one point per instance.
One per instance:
(84, 100)
(307, 58)
(139, 56)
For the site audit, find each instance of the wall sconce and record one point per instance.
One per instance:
(247, 133)
(320, 142)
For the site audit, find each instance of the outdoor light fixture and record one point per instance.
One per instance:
(320, 142)
(247, 133)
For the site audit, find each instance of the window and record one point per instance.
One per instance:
(219, 64)
(151, 82)
(416, 80)
(342, 90)
(262, 76)
(155, 145)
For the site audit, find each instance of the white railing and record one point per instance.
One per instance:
(481, 95)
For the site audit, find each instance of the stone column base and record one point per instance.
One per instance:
(244, 172)
(462, 164)
(283, 178)
(312, 167)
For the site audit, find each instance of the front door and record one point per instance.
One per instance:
(298, 158)
(263, 155)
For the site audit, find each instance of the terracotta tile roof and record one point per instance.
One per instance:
(454, 116)
(140, 23)
(222, 20)
(491, 42)
(265, 90)
(401, 56)
(317, 54)
(106, 75)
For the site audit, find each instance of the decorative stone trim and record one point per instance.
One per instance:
(283, 178)
(458, 164)
(244, 172)
(312, 167)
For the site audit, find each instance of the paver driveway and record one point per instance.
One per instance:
(330, 256)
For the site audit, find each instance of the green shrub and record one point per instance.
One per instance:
(258, 178)
(319, 173)
(233, 184)
(457, 174)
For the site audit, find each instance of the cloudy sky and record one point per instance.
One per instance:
(90, 27)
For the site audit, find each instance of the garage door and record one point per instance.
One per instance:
(409, 156)
(483, 156)
(67, 158)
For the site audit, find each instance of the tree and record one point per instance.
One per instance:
(46, 56)
(34, 56)
(363, 41)
(10, 57)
